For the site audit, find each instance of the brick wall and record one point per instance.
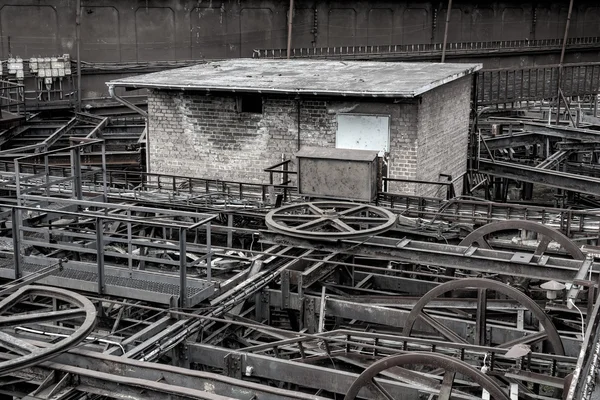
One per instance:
(443, 126)
(206, 136)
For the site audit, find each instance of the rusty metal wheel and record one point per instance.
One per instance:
(548, 333)
(545, 234)
(330, 220)
(451, 367)
(73, 308)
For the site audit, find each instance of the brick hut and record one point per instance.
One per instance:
(231, 119)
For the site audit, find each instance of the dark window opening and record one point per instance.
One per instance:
(250, 103)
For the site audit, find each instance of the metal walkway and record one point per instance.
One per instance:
(142, 285)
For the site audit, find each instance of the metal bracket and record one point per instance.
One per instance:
(233, 365)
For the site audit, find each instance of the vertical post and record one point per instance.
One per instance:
(100, 252)
(47, 173)
(16, 232)
(480, 324)
(562, 59)
(208, 251)
(182, 268)
(129, 247)
(104, 188)
(289, 38)
(321, 327)
(76, 172)
(78, 41)
(229, 230)
(18, 182)
(448, 13)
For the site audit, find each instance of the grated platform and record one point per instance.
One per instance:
(143, 285)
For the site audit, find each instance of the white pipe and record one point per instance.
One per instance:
(92, 338)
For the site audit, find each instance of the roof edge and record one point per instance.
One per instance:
(448, 79)
(268, 90)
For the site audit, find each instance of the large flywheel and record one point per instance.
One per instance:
(58, 305)
(330, 220)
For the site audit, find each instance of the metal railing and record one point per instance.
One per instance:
(85, 231)
(395, 50)
(450, 191)
(12, 97)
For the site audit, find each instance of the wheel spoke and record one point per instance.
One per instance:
(295, 217)
(446, 389)
(315, 209)
(543, 246)
(445, 332)
(381, 389)
(342, 225)
(353, 210)
(23, 319)
(310, 223)
(529, 339)
(366, 220)
(17, 345)
(481, 318)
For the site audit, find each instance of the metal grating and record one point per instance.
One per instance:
(112, 280)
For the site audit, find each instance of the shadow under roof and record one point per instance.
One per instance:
(313, 77)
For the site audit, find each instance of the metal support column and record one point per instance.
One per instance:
(562, 59)
(208, 253)
(182, 268)
(289, 38)
(448, 13)
(76, 173)
(104, 188)
(78, 44)
(100, 252)
(18, 182)
(16, 241)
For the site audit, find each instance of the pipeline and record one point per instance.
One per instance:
(111, 92)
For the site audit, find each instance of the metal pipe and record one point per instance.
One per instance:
(289, 39)
(562, 59)
(78, 41)
(111, 92)
(52, 334)
(448, 13)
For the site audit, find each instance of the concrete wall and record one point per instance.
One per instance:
(443, 126)
(205, 136)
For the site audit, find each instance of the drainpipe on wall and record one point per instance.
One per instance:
(289, 39)
(111, 92)
(448, 13)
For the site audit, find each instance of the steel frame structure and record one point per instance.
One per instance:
(197, 297)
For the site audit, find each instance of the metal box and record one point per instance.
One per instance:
(337, 173)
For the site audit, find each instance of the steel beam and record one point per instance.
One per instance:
(525, 173)
(303, 374)
(514, 140)
(563, 132)
(103, 371)
(450, 256)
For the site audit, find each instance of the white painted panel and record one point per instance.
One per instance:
(363, 132)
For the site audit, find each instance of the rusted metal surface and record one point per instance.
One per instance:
(548, 326)
(337, 173)
(330, 220)
(546, 235)
(450, 365)
(31, 355)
